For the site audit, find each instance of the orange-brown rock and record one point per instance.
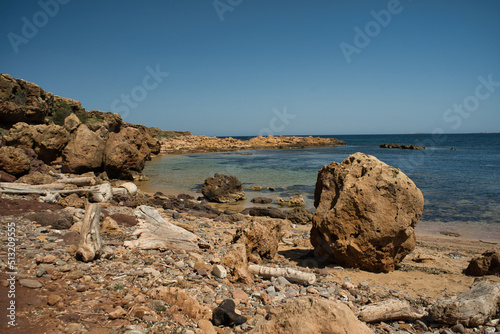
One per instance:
(309, 315)
(486, 264)
(126, 152)
(366, 214)
(193, 143)
(14, 160)
(261, 239)
(84, 151)
(23, 101)
(182, 299)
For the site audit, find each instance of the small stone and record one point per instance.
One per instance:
(30, 283)
(53, 299)
(325, 294)
(117, 313)
(489, 330)
(240, 294)
(150, 318)
(282, 281)
(206, 326)
(348, 286)
(74, 275)
(133, 329)
(271, 289)
(152, 271)
(266, 300)
(219, 271)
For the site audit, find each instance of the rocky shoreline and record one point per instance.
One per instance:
(157, 291)
(185, 144)
(176, 264)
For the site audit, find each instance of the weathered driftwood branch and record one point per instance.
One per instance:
(390, 310)
(90, 243)
(100, 193)
(290, 274)
(154, 232)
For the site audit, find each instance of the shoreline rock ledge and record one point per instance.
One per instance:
(366, 214)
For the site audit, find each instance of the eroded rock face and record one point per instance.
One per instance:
(223, 188)
(486, 264)
(366, 214)
(47, 140)
(308, 315)
(23, 101)
(84, 151)
(127, 151)
(14, 160)
(261, 239)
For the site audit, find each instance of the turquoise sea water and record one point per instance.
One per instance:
(461, 187)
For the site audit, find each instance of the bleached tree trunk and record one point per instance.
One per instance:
(154, 232)
(90, 243)
(389, 310)
(290, 274)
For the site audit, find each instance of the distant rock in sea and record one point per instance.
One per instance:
(403, 146)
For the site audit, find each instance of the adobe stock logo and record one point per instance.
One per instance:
(222, 6)
(372, 29)
(277, 123)
(30, 28)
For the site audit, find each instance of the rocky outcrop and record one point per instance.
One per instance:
(265, 212)
(403, 146)
(223, 188)
(178, 144)
(47, 140)
(470, 308)
(60, 131)
(84, 151)
(300, 215)
(295, 200)
(14, 160)
(23, 101)
(261, 240)
(486, 264)
(309, 315)
(366, 214)
(127, 151)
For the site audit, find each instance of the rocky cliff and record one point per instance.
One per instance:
(40, 129)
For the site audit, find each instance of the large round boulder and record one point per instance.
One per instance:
(127, 152)
(223, 188)
(366, 214)
(14, 160)
(84, 151)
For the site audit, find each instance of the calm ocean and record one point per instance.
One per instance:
(461, 187)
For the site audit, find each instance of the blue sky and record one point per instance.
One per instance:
(249, 67)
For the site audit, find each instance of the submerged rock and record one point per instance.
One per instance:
(223, 188)
(366, 214)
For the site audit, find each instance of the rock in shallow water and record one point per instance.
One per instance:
(223, 188)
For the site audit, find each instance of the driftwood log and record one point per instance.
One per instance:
(390, 310)
(471, 308)
(155, 232)
(100, 193)
(290, 274)
(90, 243)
